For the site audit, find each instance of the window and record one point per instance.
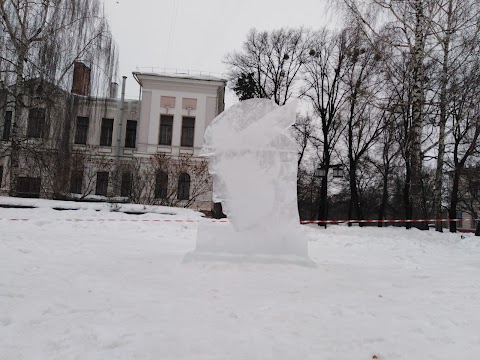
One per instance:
(102, 183)
(76, 181)
(131, 134)
(82, 130)
(161, 185)
(7, 125)
(36, 123)
(183, 187)
(28, 187)
(188, 130)
(126, 187)
(107, 132)
(166, 126)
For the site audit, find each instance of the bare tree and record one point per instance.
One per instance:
(466, 129)
(41, 42)
(323, 75)
(364, 119)
(456, 30)
(303, 131)
(386, 164)
(86, 163)
(157, 180)
(269, 64)
(409, 24)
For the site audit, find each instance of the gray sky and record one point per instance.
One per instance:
(196, 34)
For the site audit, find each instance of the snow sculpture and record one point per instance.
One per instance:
(253, 160)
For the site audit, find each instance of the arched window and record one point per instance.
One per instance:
(126, 185)
(183, 187)
(161, 185)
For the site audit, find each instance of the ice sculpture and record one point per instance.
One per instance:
(253, 160)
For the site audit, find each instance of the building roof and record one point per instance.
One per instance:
(185, 76)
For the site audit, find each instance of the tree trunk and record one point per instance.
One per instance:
(351, 176)
(63, 157)
(443, 121)
(354, 206)
(406, 195)
(15, 140)
(217, 211)
(312, 201)
(322, 210)
(383, 204)
(452, 212)
(352, 165)
(416, 181)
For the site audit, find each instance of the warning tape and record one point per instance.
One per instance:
(113, 220)
(226, 220)
(378, 221)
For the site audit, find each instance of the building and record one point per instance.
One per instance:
(75, 146)
(468, 207)
(175, 111)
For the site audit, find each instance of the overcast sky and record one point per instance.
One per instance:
(196, 34)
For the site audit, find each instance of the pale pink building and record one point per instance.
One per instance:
(175, 110)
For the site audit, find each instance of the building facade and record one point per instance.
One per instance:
(468, 206)
(142, 151)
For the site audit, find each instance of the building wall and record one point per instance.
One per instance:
(153, 89)
(91, 157)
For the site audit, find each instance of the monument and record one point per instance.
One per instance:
(252, 157)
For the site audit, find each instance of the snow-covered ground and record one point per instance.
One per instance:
(119, 290)
(6, 201)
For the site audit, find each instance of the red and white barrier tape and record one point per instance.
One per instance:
(113, 220)
(225, 220)
(377, 221)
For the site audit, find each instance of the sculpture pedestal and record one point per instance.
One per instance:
(221, 242)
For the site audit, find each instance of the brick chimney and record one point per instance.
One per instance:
(81, 79)
(113, 90)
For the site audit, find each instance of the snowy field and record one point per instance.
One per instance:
(119, 290)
